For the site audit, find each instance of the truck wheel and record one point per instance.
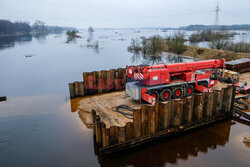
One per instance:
(165, 94)
(190, 90)
(154, 94)
(177, 93)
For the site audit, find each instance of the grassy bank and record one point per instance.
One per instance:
(155, 45)
(205, 53)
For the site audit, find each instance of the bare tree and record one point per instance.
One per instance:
(90, 30)
(39, 27)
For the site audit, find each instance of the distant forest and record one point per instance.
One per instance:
(7, 27)
(209, 27)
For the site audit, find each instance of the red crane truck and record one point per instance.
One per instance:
(165, 81)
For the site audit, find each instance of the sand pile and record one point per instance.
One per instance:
(105, 107)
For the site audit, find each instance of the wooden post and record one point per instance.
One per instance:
(129, 131)
(151, 119)
(181, 112)
(144, 120)
(121, 134)
(233, 99)
(205, 106)
(219, 102)
(137, 122)
(113, 133)
(210, 104)
(227, 99)
(224, 98)
(112, 74)
(158, 113)
(230, 97)
(89, 83)
(97, 118)
(76, 90)
(98, 130)
(100, 82)
(198, 106)
(3, 98)
(105, 137)
(177, 114)
(95, 82)
(93, 122)
(71, 90)
(85, 78)
(188, 105)
(164, 115)
(81, 89)
(215, 101)
(110, 80)
(104, 80)
(122, 79)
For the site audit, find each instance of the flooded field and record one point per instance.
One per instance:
(38, 128)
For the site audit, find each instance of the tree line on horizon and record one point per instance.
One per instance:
(217, 27)
(20, 27)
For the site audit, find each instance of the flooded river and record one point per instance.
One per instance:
(37, 127)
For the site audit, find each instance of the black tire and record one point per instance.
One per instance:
(156, 93)
(177, 93)
(189, 90)
(163, 94)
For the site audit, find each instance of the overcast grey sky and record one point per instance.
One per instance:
(125, 13)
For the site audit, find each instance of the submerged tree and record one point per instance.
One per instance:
(39, 27)
(91, 30)
(72, 35)
(176, 43)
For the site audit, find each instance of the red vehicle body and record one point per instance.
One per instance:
(241, 88)
(163, 81)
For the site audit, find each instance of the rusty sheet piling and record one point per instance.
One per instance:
(3, 98)
(98, 82)
(164, 119)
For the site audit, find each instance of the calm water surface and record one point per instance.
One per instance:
(37, 127)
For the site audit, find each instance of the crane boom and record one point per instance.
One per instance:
(196, 65)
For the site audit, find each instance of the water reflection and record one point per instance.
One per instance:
(41, 37)
(11, 41)
(176, 149)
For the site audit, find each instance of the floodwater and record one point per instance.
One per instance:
(37, 127)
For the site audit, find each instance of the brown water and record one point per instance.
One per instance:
(37, 127)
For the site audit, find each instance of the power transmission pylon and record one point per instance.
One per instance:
(217, 12)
